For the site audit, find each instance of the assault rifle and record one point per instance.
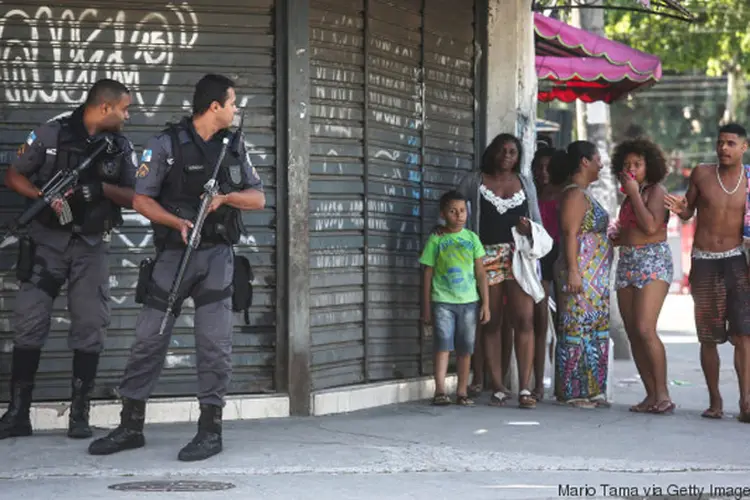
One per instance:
(210, 190)
(56, 188)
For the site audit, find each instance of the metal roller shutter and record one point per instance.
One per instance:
(393, 116)
(337, 236)
(450, 94)
(394, 142)
(49, 57)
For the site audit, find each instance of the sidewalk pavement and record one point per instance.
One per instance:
(418, 451)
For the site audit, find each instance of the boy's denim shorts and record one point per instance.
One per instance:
(454, 327)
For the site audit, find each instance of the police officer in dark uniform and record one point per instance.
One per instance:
(69, 241)
(169, 184)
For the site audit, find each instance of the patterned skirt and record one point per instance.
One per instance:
(498, 262)
(582, 349)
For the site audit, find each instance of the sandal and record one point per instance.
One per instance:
(641, 407)
(581, 403)
(441, 400)
(499, 399)
(600, 401)
(744, 415)
(526, 400)
(464, 401)
(662, 408)
(475, 391)
(538, 395)
(713, 413)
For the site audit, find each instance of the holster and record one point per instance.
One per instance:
(242, 297)
(145, 270)
(26, 256)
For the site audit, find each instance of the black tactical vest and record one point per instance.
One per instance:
(72, 148)
(183, 186)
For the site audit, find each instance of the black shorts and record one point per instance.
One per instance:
(721, 293)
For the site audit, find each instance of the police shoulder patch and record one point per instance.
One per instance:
(21, 150)
(235, 174)
(31, 138)
(142, 171)
(146, 156)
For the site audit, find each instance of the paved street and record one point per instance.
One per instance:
(416, 451)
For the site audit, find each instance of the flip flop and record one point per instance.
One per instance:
(526, 400)
(499, 398)
(713, 413)
(600, 402)
(662, 407)
(441, 400)
(639, 408)
(583, 404)
(464, 401)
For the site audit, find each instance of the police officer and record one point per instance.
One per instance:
(69, 241)
(169, 184)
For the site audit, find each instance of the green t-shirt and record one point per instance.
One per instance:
(452, 257)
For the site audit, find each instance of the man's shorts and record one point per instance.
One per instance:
(720, 286)
(455, 327)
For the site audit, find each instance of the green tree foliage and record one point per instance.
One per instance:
(717, 44)
(682, 113)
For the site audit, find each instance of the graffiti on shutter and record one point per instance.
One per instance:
(52, 53)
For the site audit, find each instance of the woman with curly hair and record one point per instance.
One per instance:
(644, 271)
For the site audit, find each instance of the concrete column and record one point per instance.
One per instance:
(511, 88)
(511, 73)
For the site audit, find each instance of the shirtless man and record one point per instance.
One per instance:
(719, 279)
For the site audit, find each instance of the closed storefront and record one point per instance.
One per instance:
(393, 119)
(51, 53)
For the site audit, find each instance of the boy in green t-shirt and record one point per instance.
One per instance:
(453, 272)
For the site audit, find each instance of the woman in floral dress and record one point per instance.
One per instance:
(583, 273)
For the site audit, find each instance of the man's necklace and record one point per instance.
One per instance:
(739, 181)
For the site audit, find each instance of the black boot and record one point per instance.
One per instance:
(80, 405)
(16, 422)
(84, 373)
(207, 442)
(128, 435)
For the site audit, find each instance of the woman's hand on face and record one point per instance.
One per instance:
(629, 184)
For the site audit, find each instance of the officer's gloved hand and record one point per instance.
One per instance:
(89, 193)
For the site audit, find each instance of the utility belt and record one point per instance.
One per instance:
(241, 289)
